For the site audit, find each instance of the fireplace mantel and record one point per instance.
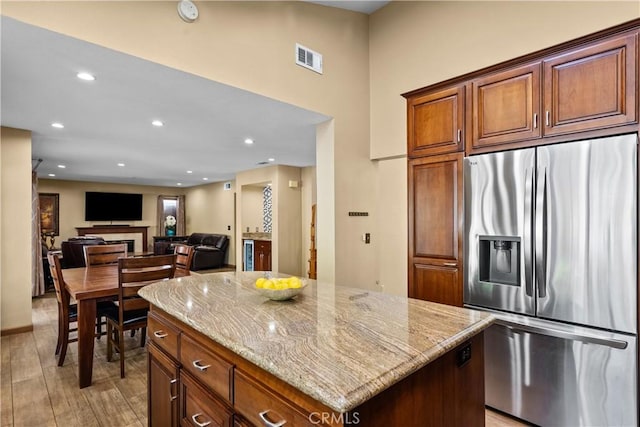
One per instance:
(99, 230)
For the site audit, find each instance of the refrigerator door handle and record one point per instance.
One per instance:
(589, 339)
(541, 233)
(528, 228)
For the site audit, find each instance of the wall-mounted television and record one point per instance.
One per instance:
(112, 206)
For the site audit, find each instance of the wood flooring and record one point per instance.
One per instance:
(34, 391)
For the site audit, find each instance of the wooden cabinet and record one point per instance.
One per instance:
(435, 228)
(436, 122)
(506, 106)
(162, 374)
(592, 87)
(262, 255)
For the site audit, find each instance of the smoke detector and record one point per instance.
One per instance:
(187, 10)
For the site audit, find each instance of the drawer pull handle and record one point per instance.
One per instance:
(160, 334)
(450, 264)
(196, 364)
(263, 416)
(171, 383)
(193, 418)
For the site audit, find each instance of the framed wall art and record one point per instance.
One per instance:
(49, 213)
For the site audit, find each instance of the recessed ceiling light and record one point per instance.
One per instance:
(248, 141)
(86, 76)
(205, 179)
(157, 123)
(179, 183)
(61, 166)
(52, 174)
(121, 165)
(271, 159)
(189, 171)
(57, 125)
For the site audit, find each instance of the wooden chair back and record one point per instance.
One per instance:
(134, 273)
(58, 282)
(104, 254)
(184, 257)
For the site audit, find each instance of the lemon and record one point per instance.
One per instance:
(268, 284)
(260, 283)
(281, 285)
(295, 283)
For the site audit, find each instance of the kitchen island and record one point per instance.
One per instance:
(220, 352)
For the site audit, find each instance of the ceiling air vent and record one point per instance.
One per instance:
(307, 58)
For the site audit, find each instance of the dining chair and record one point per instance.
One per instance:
(133, 274)
(68, 311)
(99, 255)
(184, 257)
(104, 254)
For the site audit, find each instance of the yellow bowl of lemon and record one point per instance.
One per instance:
(280, 288)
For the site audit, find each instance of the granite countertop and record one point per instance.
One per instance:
(337, 344)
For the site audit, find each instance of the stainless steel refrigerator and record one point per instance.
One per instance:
(551, 249)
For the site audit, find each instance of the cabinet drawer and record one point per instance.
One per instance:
(198, 408)
(163, 334)
(256, 404)
(211, 370)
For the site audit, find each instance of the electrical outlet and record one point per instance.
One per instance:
(367, 238)
(229, 227)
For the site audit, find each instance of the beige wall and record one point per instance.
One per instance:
(211, 209)
(15, 229)
(72, 204)
(415, 44)
(287, 210)
(252, 204)
(287, 207)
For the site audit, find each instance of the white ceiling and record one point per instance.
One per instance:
(108, 121)
(364, 6)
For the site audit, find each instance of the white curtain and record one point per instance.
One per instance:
(37, 272)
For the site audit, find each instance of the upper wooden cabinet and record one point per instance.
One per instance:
(506, 106)
(436, 122)
(593, 87)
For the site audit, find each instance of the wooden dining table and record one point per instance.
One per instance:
(88, 285)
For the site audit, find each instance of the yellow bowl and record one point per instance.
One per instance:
(281, 294)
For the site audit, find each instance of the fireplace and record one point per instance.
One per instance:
(131, 244)
(119, 233)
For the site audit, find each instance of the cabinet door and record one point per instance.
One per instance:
(590, 88)
(506, 106)
(435, 228)
(163, 389)
(436, 122)
(436, 283)
(262, 260)
(435, 207)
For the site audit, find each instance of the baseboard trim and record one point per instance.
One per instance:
(14, 331)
